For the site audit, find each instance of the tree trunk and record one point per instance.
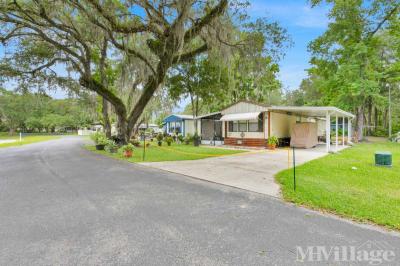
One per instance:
(122, 126)
(376, 118)
(360, 122)
(136, 128)
(369, 128)
(148, 91)
(106, 118)
(385, 120)
(11, 131)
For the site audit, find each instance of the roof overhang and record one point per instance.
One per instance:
(311, 111)
(207, 115)
(177, 118)
(240, 116)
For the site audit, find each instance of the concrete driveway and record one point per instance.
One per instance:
(252, 171)
(63, 205)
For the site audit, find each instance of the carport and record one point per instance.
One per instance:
(322, 113)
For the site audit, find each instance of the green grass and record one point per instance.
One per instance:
(25, 139)
(176, 152)
(369, 193)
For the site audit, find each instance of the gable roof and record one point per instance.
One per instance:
(245, 101)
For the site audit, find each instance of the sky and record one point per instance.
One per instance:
(303, 24)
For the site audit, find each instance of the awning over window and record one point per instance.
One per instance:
(240, 116)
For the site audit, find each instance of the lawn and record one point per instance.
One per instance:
(367, 193)
(25, 139)
(175, 152)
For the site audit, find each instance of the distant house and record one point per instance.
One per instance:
(154, 127)
(179, 124)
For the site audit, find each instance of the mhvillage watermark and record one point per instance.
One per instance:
(368, 253)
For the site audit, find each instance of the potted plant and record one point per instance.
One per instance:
(272, 142)
(100, 140)
(188, 139)
(169, 140)
(127, 150)
(196, 140)
(111, 146)
(160, 138)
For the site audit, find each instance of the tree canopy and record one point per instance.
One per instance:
(354, 61)
(155, 35)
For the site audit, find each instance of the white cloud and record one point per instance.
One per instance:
(292, 76)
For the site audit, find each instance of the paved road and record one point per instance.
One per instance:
(60, 204)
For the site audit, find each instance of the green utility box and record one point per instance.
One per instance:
(383, 158)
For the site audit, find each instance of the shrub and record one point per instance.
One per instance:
(273, 140)
(135, 142)
(380, 132)
(127, 148)
(181, 138)
(169, 140)
(99, 138)
(160, 136)
(188, 139)
(196, 140)
(111, 146)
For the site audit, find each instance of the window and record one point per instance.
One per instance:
(242, 126)
(253, 126)
(246, 125)
(171, 127)
(177, 127)
(256, 125)
(233, 126)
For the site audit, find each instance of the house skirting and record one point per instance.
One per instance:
(250, 142)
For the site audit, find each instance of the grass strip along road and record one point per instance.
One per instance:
(175, 152)
(349, 184)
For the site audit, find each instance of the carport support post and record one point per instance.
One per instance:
(337, 133)
(328, 131)
(348, 130)
(343, 134)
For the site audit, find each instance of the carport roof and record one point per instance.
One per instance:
(312, 111)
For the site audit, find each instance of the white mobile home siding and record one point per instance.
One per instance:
(243, 107)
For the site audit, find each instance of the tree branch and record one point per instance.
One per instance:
(201, 23)
(116, 26)
(131, 51)
(189, 55)
(382, 22)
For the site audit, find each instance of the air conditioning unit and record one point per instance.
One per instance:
(383, 158)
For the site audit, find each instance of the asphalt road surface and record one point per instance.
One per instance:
(62, 205)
